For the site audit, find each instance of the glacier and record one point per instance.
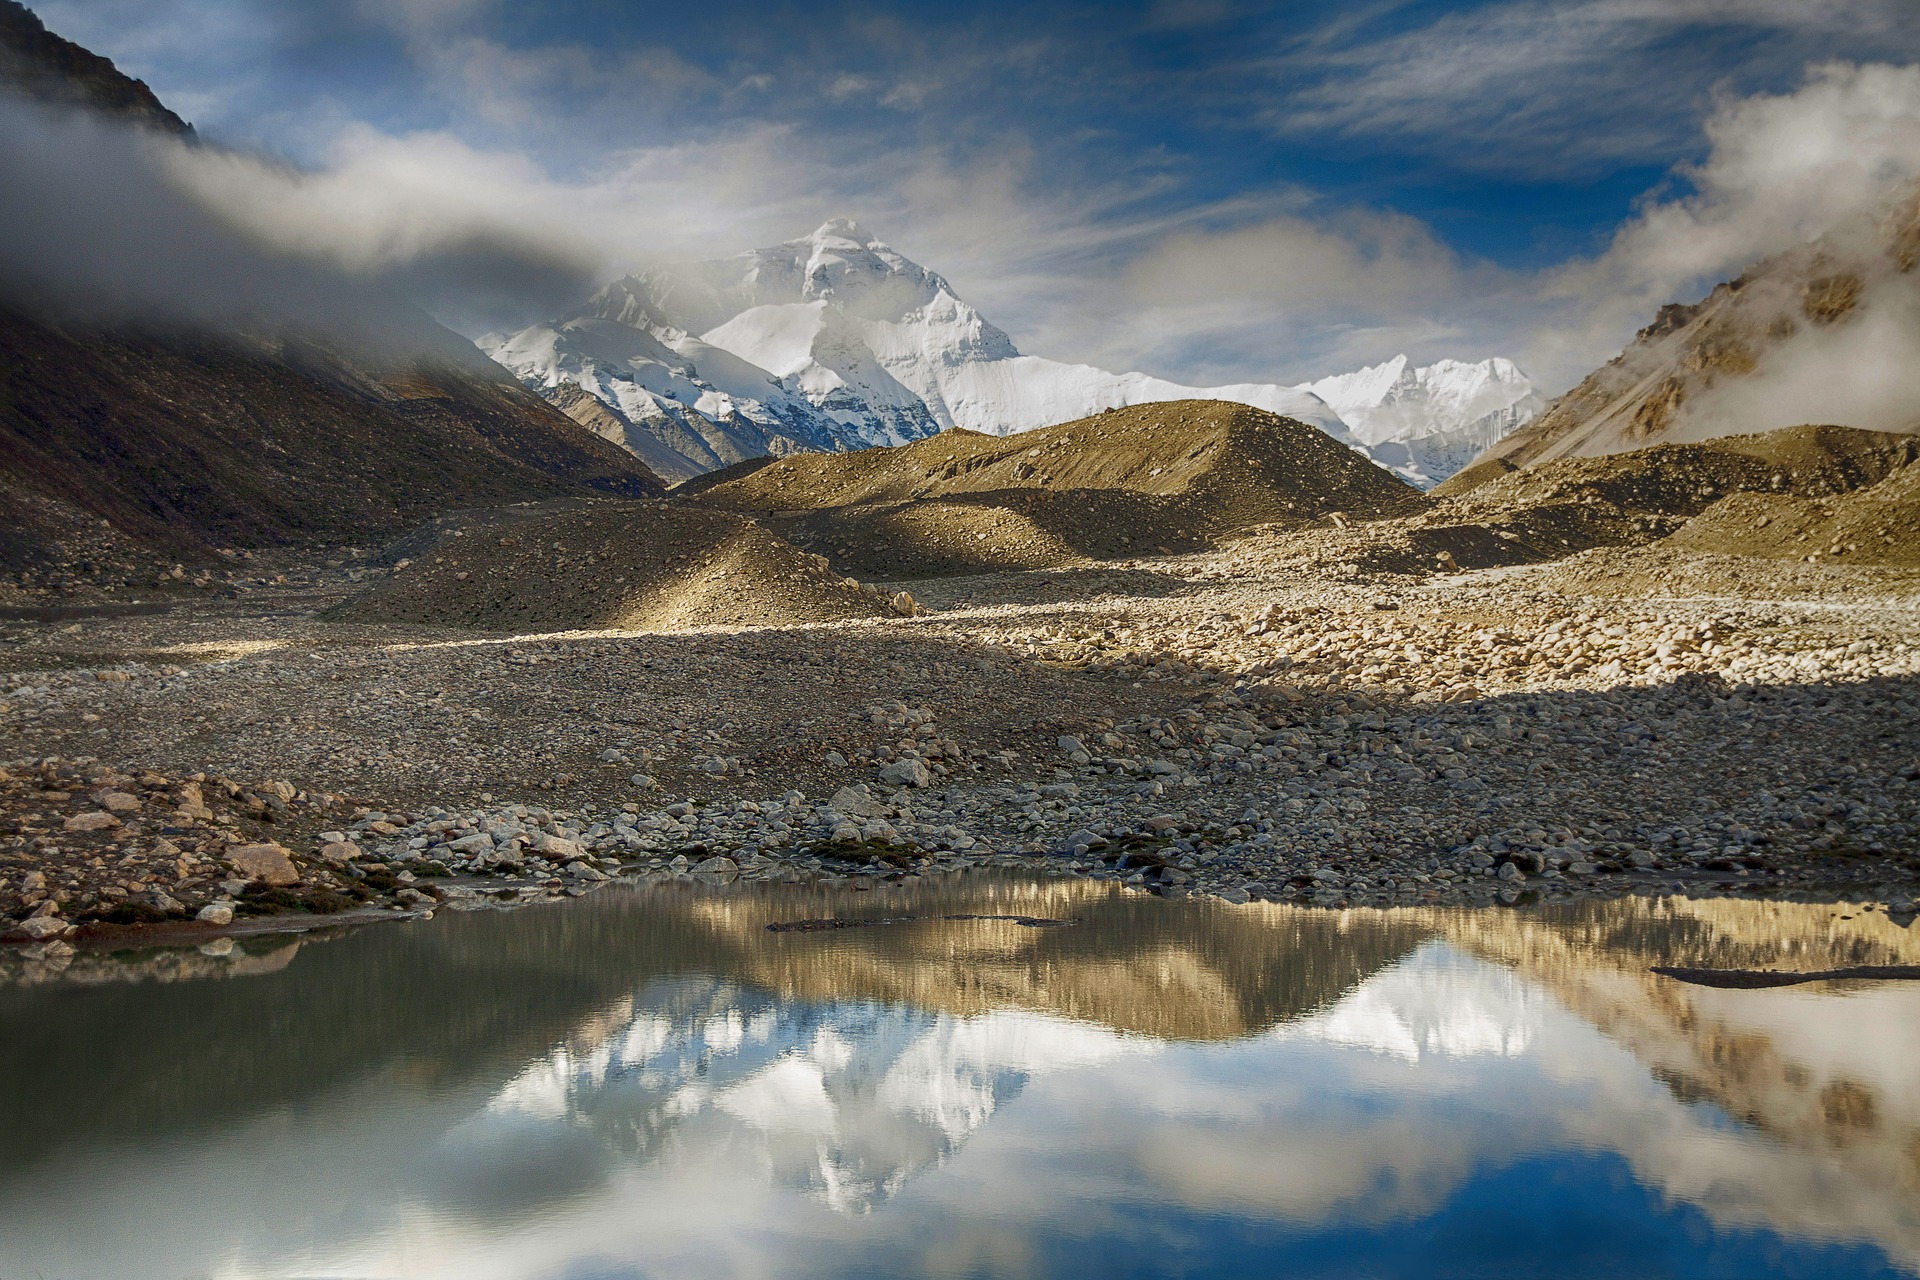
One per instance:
(836, 341)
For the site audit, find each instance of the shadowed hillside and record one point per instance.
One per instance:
(183, 444)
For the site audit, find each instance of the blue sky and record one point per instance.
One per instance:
(1200, 188)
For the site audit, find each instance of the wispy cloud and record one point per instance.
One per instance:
(1544, 87)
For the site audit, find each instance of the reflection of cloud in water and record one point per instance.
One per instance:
(703, 1126)
(1432, 1071)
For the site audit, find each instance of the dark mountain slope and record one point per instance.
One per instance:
(187, 444)
(40, 65)
(121, 440)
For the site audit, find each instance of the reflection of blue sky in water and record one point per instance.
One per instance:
(1444, 1116)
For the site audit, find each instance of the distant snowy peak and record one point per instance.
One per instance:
(836, 340)
(1429, 421)
(840, 263)
(1397, 401)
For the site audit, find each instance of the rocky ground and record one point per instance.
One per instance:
(1235, 722)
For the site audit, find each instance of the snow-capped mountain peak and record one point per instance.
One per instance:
(1398, 401)
(836, 340)
(1427, 422)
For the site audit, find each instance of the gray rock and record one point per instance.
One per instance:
(910, 772)
(556, 848)
(856, 801)
(39, 929)
(219, 913)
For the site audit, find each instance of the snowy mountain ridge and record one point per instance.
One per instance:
(1428, 422)
(836, 341)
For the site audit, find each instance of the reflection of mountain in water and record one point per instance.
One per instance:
(473, 997)
(847, 1101)
(1425, 1006)
(525, 1088)
(1828, 1071)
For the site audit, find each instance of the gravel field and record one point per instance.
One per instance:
(1230, 723)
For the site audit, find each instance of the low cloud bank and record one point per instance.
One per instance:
(1783, 170)
(111, 223)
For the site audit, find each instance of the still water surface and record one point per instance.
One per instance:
(650, 1083)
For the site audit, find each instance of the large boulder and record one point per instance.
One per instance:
(268, 863)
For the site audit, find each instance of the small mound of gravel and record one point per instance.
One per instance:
(643, 566)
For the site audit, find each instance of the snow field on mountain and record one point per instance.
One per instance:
(836, 341)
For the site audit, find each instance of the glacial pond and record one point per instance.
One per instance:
(652, 1082)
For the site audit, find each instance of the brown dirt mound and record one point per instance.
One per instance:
(643, 566)
(1684, 479)
(1153, 478)
(1875, 525)
(1565, 507)
(929, 539)
(1664, 571)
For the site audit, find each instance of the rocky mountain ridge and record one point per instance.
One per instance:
(40, 65)
(1817, 334)
(835, 341)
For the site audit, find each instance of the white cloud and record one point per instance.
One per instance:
(1116, 263)
(1278, 288)
(1783, 169)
